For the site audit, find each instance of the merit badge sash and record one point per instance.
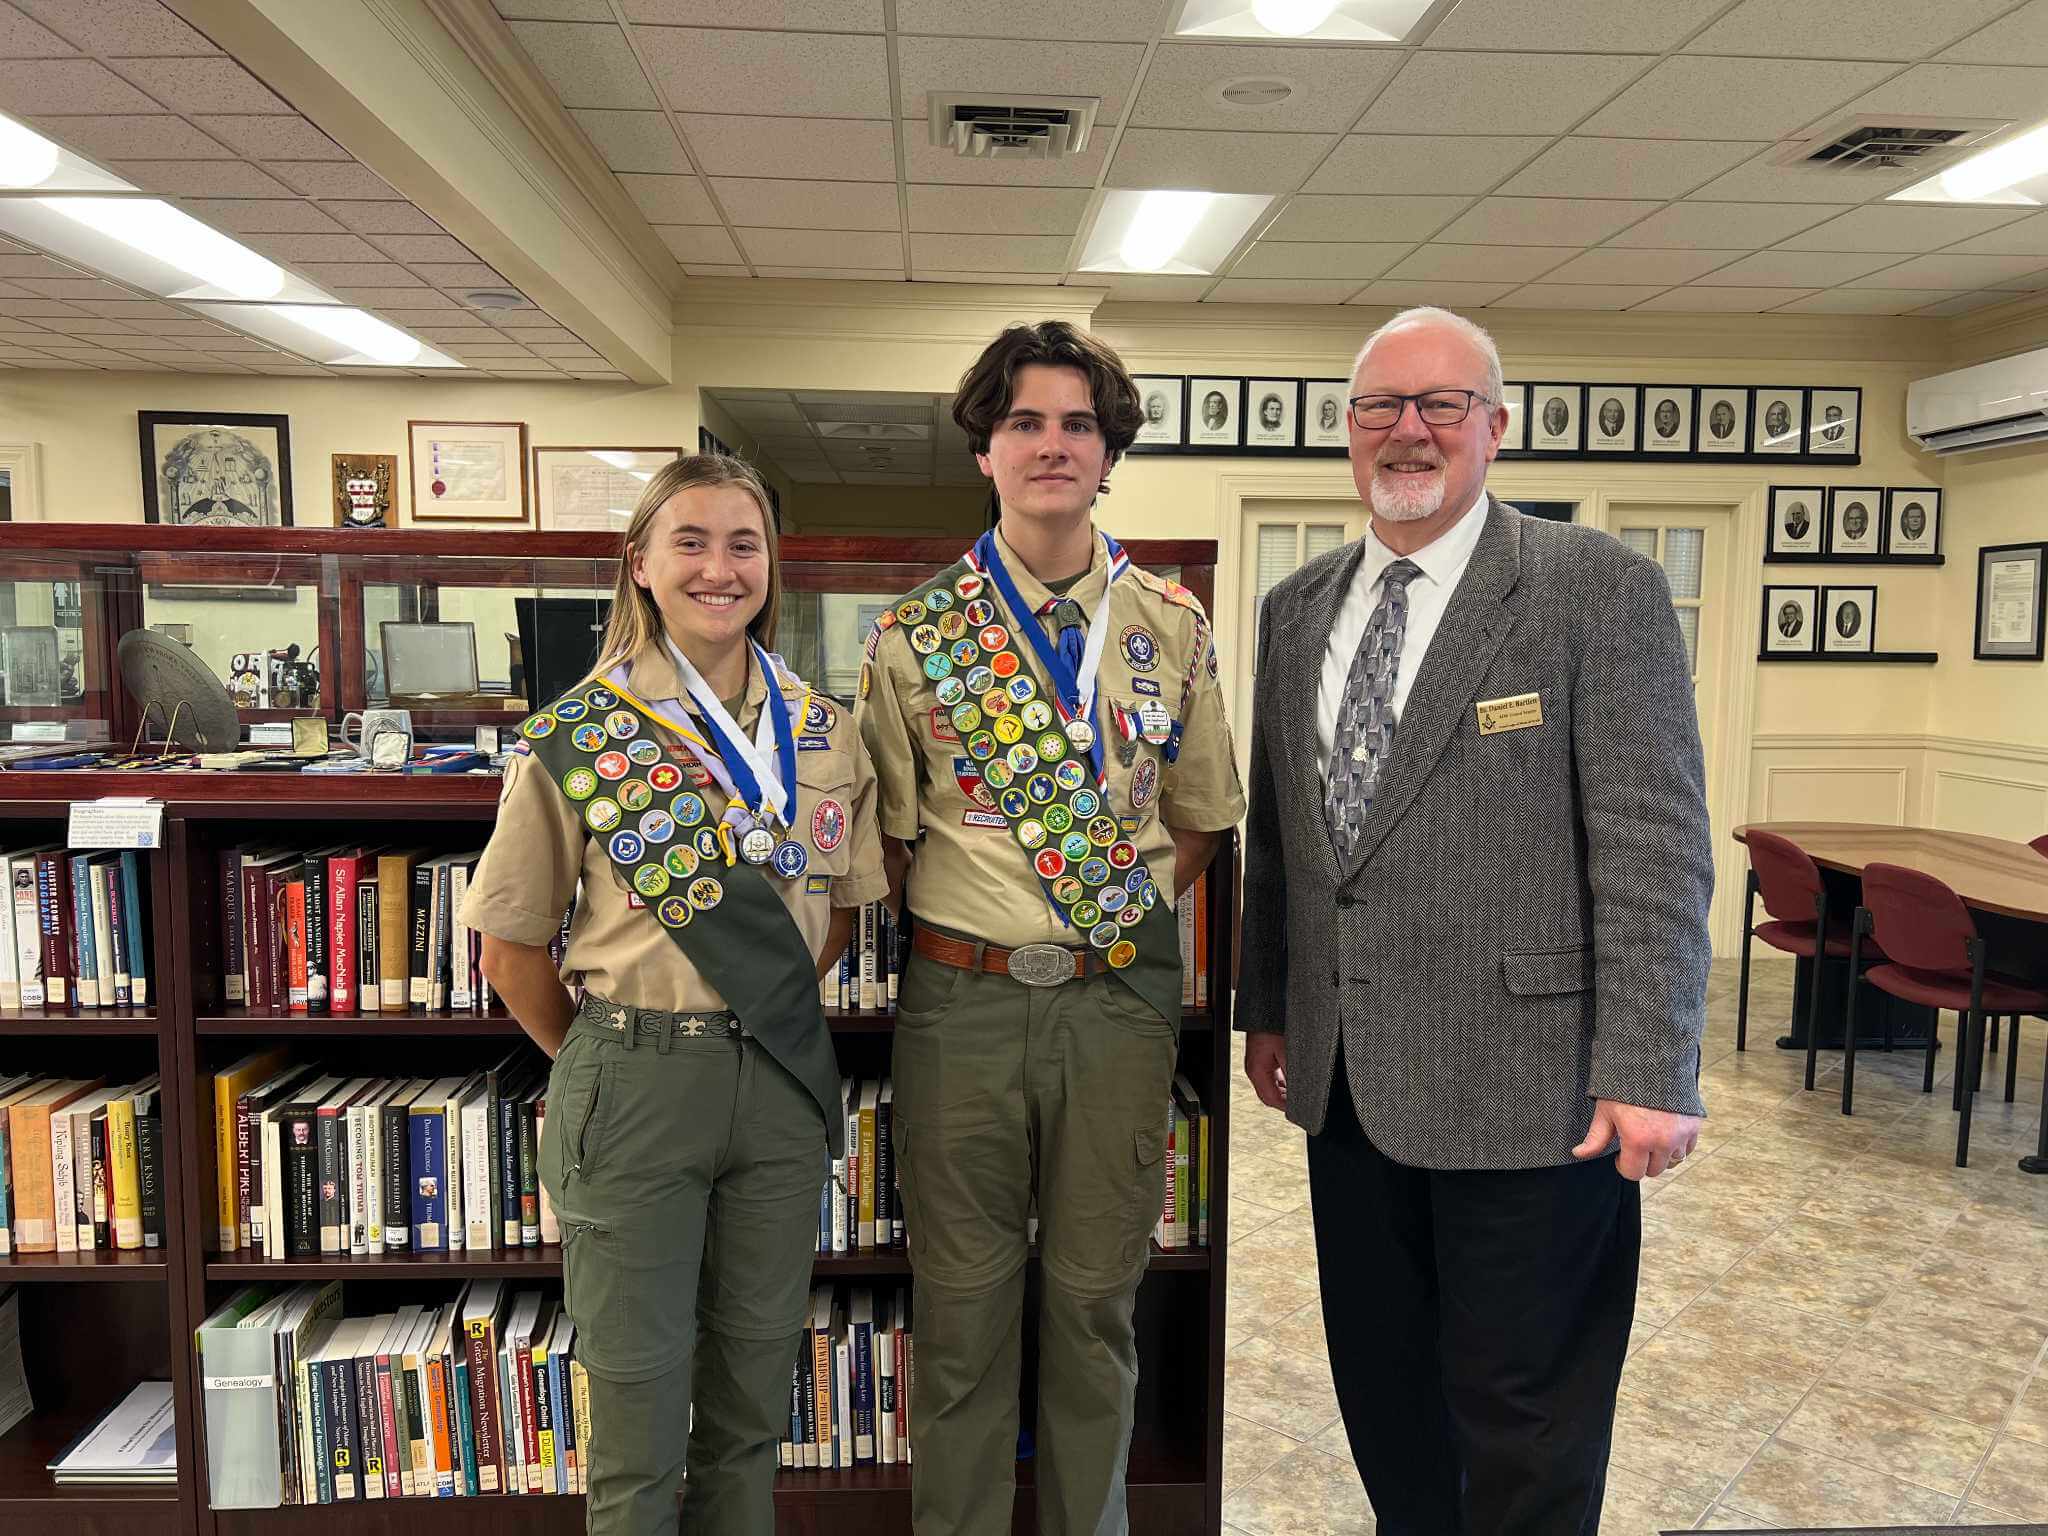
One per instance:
(1056, 808)
(598, 746)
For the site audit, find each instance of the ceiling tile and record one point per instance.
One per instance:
(1963, 90)
(671, 199)
(36, 308)
(119, 28)
(847, 274)
(360, 274)
(1351, 259)
(97, 325)
(315, 247)
(1214, 162)
(1065, 21)
(1861, 301)
(984, 275)
(1389, 162)
(1002, 253)
(776, 74)
(63, 363)
(1660, 168)
(1964, 304)
(327, 178)
(1842, 29)
(635, 141)
(1362, 218)
(996, 210)
(21, 38)
(1902, 228)
(2026, 237)
(1329, 87)
(554, 10)
(36, 87)
(197, 87)
(699, 243)
(1543, 221)
(200, 178)
(157, 136)
(16, 267)
(1600, 26)
(1724, 301)
(2020, 38)
(1497, 93)
(776, 15)
(1712, 226)
(588, 65)
(558, 352)
(381, 297)
(1762, 180)
(808, 204)
(927, 162)
(972, 64)
(1279, 290)
(1592, 296)
(840, 150)
(713, 269)
(1479, 263)
(261, 216)
(1144, 289)
(93, 288)
(423, 248)
(1663, 268)
(146, 311)
(273, 138)
(1784, 268)
(1691, 98)
(458, 274)
(1401, 295)
(1948, 270)
(383, 218)
(865, 253)
(9, 291)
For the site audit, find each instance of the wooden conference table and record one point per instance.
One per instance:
(2005, 885)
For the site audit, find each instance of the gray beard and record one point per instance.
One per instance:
(1399, 507)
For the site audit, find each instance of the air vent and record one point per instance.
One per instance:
(979, 126)
(1889, 143)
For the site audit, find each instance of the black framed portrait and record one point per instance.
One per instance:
(1855, 520)
(1612, 414)
(1724, 420)
(1163, 398)
(1834, 426)
(1667, 418)
(1324, 404)
(1848, 620)
(1798, 517)
(1776, 418)
(1912, 522)
(1789, 627)
(1272, 417)
(1514, 399)
(1215, 413)
(1556, 417)
(218, 469)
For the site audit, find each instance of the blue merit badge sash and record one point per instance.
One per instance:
(1056, 810)
(597, 744)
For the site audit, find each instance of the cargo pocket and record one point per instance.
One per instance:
(1148, 1190)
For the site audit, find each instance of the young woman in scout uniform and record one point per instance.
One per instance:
(1054, 766)
(713, 821)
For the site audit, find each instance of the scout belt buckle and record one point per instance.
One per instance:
(1041, 965)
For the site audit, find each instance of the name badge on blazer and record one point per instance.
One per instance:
(1514, 714)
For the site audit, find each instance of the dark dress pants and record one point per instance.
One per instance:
(1477, 1325)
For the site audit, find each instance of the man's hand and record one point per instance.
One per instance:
(1652, 1140)
(1265, 1063)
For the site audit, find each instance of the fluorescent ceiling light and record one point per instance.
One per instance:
(1292, 18)
(332, 334)
(147, 244)
(1169, 231)
(2012, 174)
(30, 162)
(1347, 21)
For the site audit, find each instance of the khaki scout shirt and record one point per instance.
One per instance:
(540, 851)
(969, 874)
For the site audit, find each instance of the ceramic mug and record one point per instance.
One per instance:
(372, 723)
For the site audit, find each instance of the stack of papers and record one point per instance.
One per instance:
(132, 1444)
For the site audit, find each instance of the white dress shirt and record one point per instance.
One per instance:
(1443, 561)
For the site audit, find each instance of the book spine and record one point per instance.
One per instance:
(369, 1435)
(323, 1450)
(318, 992)
(414, 1478)
(397, 1164)
(99, 1232)
(248, 1193)
(149, 1133)
(543, 1480)
(6, 1186)
(356, 1181)
(329, 1133)
(136, 930)
(84, 950)
(437, 1427)
(296, 987)
(53, 911)
(234, 979)
(863, 1343)
(429, 1167)
(127, 1188)
(460, 993)
(63, 1183)
(369, 987)
(506, 1109)
(866, 922)
(461, 1432)
(387, 1424)
(441, 954)
(341, 933)
(302, 1183)
(885, 1394)
(418, 993)
(107, 880)
(373, 1178)
(479, 1212)
(529, 1177)
(482, 1399)
(28, 930)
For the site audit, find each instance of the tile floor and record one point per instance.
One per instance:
(1835, 1325)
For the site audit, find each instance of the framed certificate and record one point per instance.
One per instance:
(468, 472)
(2012, 581)
(592, 490)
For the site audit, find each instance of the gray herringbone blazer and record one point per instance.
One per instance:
(1523, 927)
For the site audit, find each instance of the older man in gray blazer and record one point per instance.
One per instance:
(1474, 951)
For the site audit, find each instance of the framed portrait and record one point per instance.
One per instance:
(2012, 584)
(1855, 520)
(1667, 418)
(1556, 413)
(1324, 405)
(1775, 421)
(1848, 620)
(219, 469)
(1215, 413)
(1162, 397)
(1724, 420)
(1797, 518)
(468, 472)
(1514, 399)
(1833, 422)
(1912, 522)
(592, 490)
(1272, 417)
(1612, 415)
(1789, 628)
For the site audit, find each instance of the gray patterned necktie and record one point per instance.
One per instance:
(1365, 716)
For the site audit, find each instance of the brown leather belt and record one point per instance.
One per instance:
(1037, 965)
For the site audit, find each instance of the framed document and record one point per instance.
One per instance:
(1912, 523)
(1514, 399)
(1216, 409)
(1554, 417)
(1775, 418)
(1274, 419)
(2012, 581)
(1163, 398)
(468, 472)
(1611, 418)
(1667, 418)
(1789, 628)
(1855, 524)
(1325, 404)
(1795, 527)
(592, 490)
(217, 469)
(1848, 620)
(1833, 422)
(1724, 420)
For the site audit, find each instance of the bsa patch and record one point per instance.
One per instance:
(1004, 664)
(1181, 596)
(1058, 820)
(990, 819)
(539, 726)
(706, 893)
(1051, 863)
(969, 585)
(626, 847)
(942, 728)
(681, 862)
(1120, 954)
(1140, 648)
(1209, 660)
(965, 653)
(588, 738)
(634, 795)
(674, 912)
(650, 880)
(817, 885)
(611, 765)
(993, 637)
(938, 600)
(1145, 783)
(646, 752)
(818, 715)
(665, 776)
(634, 903)
(910, 611)
(951, 691)
(1036, 715)
(571, 709)
(867, 677)
(657, 826)
(814, 743)
(951, 625)
(924, 639)
(1022, 687)
(622, 724)
(998, 774)
(601, 698)
(938, 665)
(687, 808)
(828, 825)
(579, 783)
(1145, 685)
(979, 613)
(707, 844)
(885, 619)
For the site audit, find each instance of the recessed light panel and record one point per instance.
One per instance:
(1320, 21)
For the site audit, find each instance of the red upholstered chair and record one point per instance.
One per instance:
(1797, 900)
(1936, 959)
(2040, 845)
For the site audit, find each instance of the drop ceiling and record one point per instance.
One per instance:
(825, 437)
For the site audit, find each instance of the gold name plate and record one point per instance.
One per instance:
(1515, 714)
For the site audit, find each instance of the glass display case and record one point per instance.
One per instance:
(458, 629)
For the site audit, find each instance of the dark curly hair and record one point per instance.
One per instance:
(987, 388)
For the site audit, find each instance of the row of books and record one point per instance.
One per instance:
(81, 1164)
(311, 1160)
(849, 1393)
(1184, 1215)
(861, 1207)
(74, 930)
(483, 1394)
(348, 929)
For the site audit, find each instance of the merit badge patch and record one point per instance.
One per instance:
(1140, 648)
(828, 825)
(589, 738)
(539, 726)
(611, 765)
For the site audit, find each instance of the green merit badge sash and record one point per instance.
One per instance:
(598, 746)
(1061, 820)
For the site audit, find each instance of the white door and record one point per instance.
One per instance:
(1279, 538)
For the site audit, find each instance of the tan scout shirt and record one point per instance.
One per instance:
(539, 852)
(968, 873)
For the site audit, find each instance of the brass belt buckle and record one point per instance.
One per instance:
(1041, 965)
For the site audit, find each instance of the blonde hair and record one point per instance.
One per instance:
(635, 621)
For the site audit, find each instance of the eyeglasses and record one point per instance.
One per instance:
(1437, 408)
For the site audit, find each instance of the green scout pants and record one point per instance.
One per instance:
(685, 1170)
(1004, 1092)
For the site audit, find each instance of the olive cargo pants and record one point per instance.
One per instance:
(1004, 1091)
(685, 1170)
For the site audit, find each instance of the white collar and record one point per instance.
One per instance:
(1441, 559)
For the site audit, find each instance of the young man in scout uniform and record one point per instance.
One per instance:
(1052, 766)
